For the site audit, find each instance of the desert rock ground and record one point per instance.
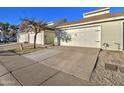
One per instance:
(101, 76)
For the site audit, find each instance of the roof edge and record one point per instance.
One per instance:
(114, 16)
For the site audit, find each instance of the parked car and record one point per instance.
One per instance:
(12, 39)
(4, 40)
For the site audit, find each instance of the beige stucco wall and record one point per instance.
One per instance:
(112, 35)
(38, 39)
(22, 37)
(29, 37)
(49, 37)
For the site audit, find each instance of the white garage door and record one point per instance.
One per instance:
(38, 40)
(83, 37)
(23, 38)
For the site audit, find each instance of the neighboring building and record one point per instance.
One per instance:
(98, 29)
(44, 37)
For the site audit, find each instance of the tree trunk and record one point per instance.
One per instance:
(35, 37)
(21, 46)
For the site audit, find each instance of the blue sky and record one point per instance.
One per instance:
(14, 15)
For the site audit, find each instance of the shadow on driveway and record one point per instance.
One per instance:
(6, 53)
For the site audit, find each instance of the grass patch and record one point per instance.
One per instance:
(27, 49)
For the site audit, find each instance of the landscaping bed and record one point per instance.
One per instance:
(26, 49)
(113, 75)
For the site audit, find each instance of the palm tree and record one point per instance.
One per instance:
(35, 26)
(13, 30)
(4, 28)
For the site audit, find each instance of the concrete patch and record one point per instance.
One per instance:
(3, 70)
(15, 62)
(34, 74)
(42, 54)
(8, 80)
(64, 79)
(121, 69)
(111, 67)
(76, 61)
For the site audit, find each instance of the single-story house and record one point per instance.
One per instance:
(97, 29)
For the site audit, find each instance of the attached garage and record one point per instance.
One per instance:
(84, 37)
(98, 29)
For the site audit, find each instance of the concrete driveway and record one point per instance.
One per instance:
(62, 66)
(76, 61)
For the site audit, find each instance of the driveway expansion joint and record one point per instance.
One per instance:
(95, 63)
(17, 79)
(49, 78)
(24, 67)
(5, 74)
(61, 71)
(4, 66)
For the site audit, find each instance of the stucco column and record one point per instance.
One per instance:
(17, 38)
(42, 37)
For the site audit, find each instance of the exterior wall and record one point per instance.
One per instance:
(26, 37)
(42, 37)
(22, 37)
(112, 35)
(38, 39)
(29, 37)
(49, 37)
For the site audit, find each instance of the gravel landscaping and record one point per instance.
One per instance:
(102, 76)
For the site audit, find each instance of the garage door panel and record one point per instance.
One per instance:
(31, 38)
(22, 38)
(85, 37)
(38, 39)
